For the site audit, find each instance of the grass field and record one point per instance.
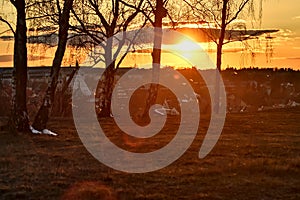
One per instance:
(257, 157)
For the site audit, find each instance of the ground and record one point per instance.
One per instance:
(257, 157)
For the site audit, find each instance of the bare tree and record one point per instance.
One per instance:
(100, 21)
(42, 116)
(220, 15)
(159, 13)
(19, 117)
(37, 12)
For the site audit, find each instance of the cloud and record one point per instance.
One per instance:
(283, 35)
(279, 58)
(286, 58)
(296, 17)
(228, 50)
(6, 58)
(293, 58)
(198, 34)
(286, 33)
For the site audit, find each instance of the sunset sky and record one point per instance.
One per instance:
(277, 14)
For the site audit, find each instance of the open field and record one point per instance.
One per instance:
(257, 157)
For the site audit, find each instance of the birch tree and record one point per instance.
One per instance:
(19, 117)
(99, 21)
(157, 11)
(42, 116)
(221, 16)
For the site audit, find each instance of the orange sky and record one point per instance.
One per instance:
(278, 14)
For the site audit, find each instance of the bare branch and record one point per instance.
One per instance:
(103, 20)
(139, 10)
(59, 9)
(241, 7)
(8, 24)
(150, 4)
(131, 17)
(41, 16)
(128, 47)
(37, 3)
(84, 28)
(13, 2)
(115, 14)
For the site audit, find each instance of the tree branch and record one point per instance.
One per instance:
(8, 24)
(139, 10)
(99, 14)
(42, 16)
(84, 28)
(13, 2)
(129, 46)
(37, 2)
(241, 7)
(59, 9)
(115, 14)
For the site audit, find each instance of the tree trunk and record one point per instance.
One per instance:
(219, 55)
(106, 84)
(160, 13)
(61, 101)
(42, 116)
(67, 83)
(19, 118)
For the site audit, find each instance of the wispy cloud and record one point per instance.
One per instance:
(293, 58)
(279, 58)
(284, 35)
(286, 58)
(296, 17)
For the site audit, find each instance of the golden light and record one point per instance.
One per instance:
(185, 48)
(178, 55)
(187, 45)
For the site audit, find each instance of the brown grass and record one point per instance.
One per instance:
(257, 157)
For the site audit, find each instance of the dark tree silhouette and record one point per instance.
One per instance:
(221, 13)
(159, 13)
(225, 21)
(115, 18)
(42, 116)
(19, 118)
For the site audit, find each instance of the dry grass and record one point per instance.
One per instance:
(257, 157)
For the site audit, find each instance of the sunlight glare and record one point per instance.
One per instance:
(186, 48)
(186, 45)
